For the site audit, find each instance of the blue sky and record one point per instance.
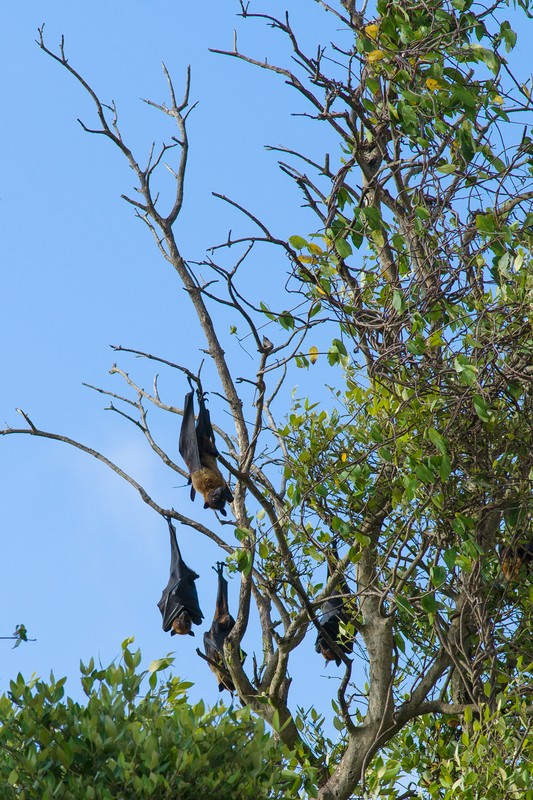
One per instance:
(83, 559)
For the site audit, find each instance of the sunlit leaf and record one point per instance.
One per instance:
(372, 31)
(447, 169)
(297, 242)
(485, 223)
(433, 84)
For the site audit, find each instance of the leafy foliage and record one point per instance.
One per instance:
(125, 742)
(488, 756)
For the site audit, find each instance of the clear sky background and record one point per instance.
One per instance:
(83, 559)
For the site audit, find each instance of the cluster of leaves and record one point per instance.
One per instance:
(20, 634)
(485, 756)
(127, 742)
(434, 312)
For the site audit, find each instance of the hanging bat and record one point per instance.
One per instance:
(214, 639)
(332, 615)
(179, 602)
(197, 447)
(514, 556)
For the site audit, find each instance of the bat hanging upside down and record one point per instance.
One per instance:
(179, 602)
(514, 556)
(214, 639)
(332, 616)
(197, 447)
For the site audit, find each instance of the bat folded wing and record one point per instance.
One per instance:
(178, 599)
(188, 442)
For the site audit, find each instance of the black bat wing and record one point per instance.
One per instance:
(524, 551)
(217, 663)
(514, 556)
(330, 611)
(214, 650)
(180, 592)
(213, 645)
(176, 598)
(331, 617)
(188, 442)
(218, 634)
(205, 436)
(223, 622)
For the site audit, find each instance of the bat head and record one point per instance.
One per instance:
(216, 499)
(325, 650)
(182, 624)
(226, 622)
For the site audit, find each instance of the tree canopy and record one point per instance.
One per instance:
(126, 741)
(404, 500)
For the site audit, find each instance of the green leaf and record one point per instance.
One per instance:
(337, 353)
(341, 347)
(447, 169)
(286, 320)
(438, 440)
(445, 467)
(449, 557)
(416, 345)
(13, 777)
(241, 534)
(508, 36)
(266, 311)
(378, 238)
(424, 473)
(485, 223)
(398, 301)
(487, 56)
(244, 562)
(481, 408)
(263, 550)
(498, 164)
(373, 85)
(373, 217)
(344, 249)
(439, 575)
(429, 604)
(297, 242)
(467, 372)
(161, 663)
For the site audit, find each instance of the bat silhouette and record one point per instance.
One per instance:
(179, 605)
(197, 448)
(214, 639)
(514, 556)
(331, 643)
